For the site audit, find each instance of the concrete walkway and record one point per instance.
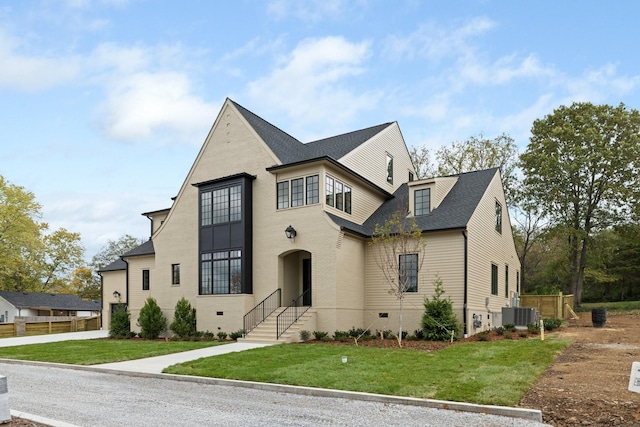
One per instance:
(40, 339)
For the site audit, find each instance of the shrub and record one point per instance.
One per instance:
(305, 335)
(551, 324)
(508, 335)
(438, 320)
(511, 327)
(523, 334)
(184, 319)
(499, 330)
(533, 328)
(152, 321)
(341, 336)
(359, 332)
(483, 336)
(222, 336)
(319, 335)
(237, 334)
(209, 336)
(419, 334)
(120, 322)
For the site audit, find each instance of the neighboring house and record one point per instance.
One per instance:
(23, 304)
(226, 243)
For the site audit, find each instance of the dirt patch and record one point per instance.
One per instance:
(587, 385)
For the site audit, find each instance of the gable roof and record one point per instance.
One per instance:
(454, 212)
(290, 150)
(49, 301)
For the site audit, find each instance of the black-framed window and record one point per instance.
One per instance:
(283, 195)
(422, 201)
(389, 168)
(297, 192)
(408, 280)
(506, 281)
(145, 280)
(330, 188)
(494, 279)
(339, 196)
(221, 205)
(206, 209)
(313, 190)
(175, 274)
(347, 199)
(221, 273)
(411, 176)
(498, 217)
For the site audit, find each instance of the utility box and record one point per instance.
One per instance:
(520, 316)
(5, 411)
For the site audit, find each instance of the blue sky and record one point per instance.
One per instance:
(106, 103)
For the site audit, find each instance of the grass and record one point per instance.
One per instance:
(614, 307)
(92, 352)
(496, 373)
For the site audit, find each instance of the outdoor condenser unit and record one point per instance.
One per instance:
(520, 316)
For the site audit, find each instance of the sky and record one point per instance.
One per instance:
(106, 103)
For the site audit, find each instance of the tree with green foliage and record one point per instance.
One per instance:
(422, 163)
(478, 153)
(439, 322)
(184, 319)
(152, 321)
(581, 167)
(398, 252)
(120, 322)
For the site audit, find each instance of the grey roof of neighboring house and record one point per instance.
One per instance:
(116, 265)
(144, 249)
(290, 150)
(51, 301)
(454, 212)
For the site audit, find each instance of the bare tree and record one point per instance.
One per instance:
(399, 255)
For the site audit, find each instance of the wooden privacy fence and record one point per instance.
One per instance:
(41, 325)
(550, 306)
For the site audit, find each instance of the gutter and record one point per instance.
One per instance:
(466, 284)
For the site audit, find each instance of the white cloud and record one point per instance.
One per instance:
(310, 84)
(310, 10)
(33, 73)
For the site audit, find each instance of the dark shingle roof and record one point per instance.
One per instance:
(114, 266)
(51, 301)
(144, 249)
(454, 212)
(289, 150)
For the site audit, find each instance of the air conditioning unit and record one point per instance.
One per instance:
(520, 316)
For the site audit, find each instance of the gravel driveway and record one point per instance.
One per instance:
(86, 398)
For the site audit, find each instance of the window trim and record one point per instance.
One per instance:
(412, 276)
(506, 281)
(282, 195)
(175, 274)
(389, 169)
(494, 279)
(421, 211)
(146, 279)
(498, 219)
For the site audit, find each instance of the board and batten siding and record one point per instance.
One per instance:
(370, 159)
(443, 258)
(486, 246)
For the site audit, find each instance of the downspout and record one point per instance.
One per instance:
(466, 262)
(126, 283)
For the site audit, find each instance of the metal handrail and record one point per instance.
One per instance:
(290, 315)
(261, 311)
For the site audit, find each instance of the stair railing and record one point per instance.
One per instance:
(261, 311)
(290, 315)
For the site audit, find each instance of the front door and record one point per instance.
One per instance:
(306, 282)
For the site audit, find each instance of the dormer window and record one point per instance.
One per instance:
(422, 201)
(389, 169)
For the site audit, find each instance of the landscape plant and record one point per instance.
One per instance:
(439, 322)
(184, 319)
(120, 322)
(152, 321)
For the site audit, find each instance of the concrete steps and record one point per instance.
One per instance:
(266, 331)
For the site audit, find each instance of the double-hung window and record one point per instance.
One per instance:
(408, 279)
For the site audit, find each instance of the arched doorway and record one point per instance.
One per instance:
(295, 276)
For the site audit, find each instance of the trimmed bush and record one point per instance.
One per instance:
(237, 334)
(511, 327)
(120, 322)
(439, 320)
(152, 321)
(319, 335)
(551, 324)
(305, 335)
(341, 336)
(222, 336)
(533, 328)
(184, 319)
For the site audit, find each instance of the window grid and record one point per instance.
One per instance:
(494, 279)
(206, 274)
(297, 192)
(422, 201)
(347, 199)
(221, 206)
(409, 273)
(221, 273)
(175, 274)
(235, 203)
(205, 209)
(339, 199)
(313, 192)
(283, 195)
(329, 190)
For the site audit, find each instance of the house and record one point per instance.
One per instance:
(23, 304)
(263, 221)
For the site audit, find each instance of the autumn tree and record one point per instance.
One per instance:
(581, 167)
(398, 252)
(422, 162)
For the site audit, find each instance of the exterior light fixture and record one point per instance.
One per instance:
(291, 233)
(116, 295)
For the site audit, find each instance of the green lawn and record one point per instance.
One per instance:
(496, 373)
(92, 352)
(615, 307)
